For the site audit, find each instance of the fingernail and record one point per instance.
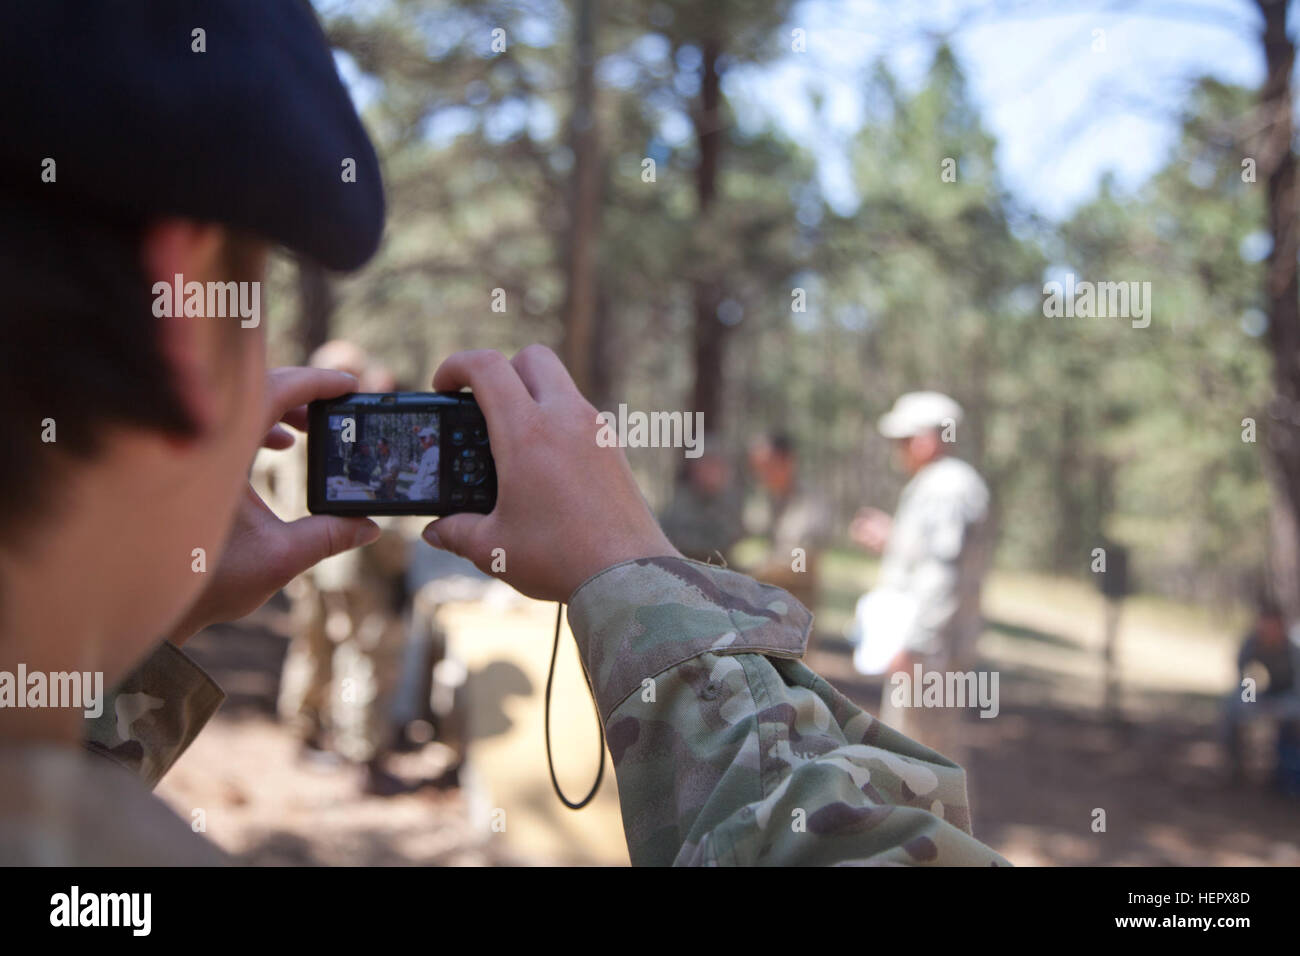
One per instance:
(368, 533)
(430, 534)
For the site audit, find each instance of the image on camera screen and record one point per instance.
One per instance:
(393, 456)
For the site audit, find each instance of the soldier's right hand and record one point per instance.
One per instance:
(566, 507)
(871, 528)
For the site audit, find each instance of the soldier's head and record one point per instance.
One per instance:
(774, 462)
(710, 473)
(916, 451)
(377, 378)
(428, 438)
(342, 355)
(1270, 624)
(382, 448)
(125, 431)
(923, 426)
(139, 196)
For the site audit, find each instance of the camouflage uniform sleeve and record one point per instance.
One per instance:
(150, 718)
(729, 751)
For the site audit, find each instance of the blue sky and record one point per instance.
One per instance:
(1063, 113)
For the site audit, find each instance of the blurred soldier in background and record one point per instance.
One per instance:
(361, 465)
(926, 605)
(795, 524)
(703, 518)
(388, 467)
(1266, 652)
(345, 658)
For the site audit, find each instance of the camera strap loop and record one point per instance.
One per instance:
(600, 755)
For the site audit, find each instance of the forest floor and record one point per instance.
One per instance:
(1038, 772)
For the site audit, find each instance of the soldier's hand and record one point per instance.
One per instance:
(566, 507)
(263, 553)
(870, 528)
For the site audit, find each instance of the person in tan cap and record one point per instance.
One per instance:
(925, 607)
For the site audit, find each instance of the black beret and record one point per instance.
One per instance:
(257, 132)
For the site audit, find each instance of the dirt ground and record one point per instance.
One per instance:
(268, 805)
(1037, 772)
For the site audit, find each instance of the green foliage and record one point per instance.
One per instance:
(1164, 416)
(1087, 429)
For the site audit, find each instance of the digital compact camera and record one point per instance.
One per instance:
(399, 453)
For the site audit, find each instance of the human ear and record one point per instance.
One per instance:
(176, 252)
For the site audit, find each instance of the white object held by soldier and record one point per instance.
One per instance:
(882, 621)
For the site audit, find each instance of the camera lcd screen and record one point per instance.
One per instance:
(401, 453)
(383, 456)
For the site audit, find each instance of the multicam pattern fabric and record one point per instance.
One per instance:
(729, 751)
(154, 714)
(63, 807)
(60, 806)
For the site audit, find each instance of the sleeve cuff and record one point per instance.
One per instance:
(152, 717)
(635, 620)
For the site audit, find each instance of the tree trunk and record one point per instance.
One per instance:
(580, 313)
(606, 368)
(1277, 162)
(315, 309)
(1070, 552)
(709, 331)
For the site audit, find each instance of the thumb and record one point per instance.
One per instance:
(454, 533)
(317, 537)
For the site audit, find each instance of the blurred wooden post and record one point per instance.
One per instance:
(1114, 587)
(315, 309)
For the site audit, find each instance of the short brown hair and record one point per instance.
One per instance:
(81, 346)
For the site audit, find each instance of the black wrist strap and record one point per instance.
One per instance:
(600, 755)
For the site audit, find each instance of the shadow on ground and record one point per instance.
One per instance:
(1038, 773)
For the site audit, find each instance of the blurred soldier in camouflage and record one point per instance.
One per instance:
(344, 661)
(795, 523)
(1268, 652)
(703, 518)
(728, 750)
(388, 467)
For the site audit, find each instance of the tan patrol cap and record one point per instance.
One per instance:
(916, 412)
